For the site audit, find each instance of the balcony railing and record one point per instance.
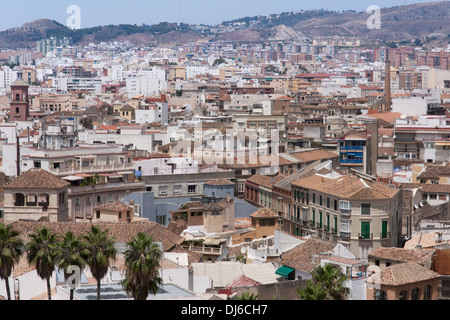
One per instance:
(311, 224)
(351, 161)
(365, 236)
(344, 234)
(92, 169)
(204, 249)
(385, 235)
(351, 148)
(346, 212)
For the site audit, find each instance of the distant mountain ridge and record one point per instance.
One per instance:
(407, 23)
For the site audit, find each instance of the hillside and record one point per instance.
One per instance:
(426, 21)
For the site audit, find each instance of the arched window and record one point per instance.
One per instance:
(402, 295)
(43, 200)
(427, 293)
(19, 200)
(18, 97)
(31, 200)
(380, 295)
(415, 294)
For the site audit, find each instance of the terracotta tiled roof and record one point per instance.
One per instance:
(427, 241)
(265, 181)
(263, 213)
(402, 274)
(421, 256)
(37, 178)
(347, 187)
(314, 155)
(435, 171)
(219, 182)
(302, 256)
(114, 206)
(243, 281)
(429, 187)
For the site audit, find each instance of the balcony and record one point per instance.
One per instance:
(365, 236)
(385, 235)
(344, 234)
(92, 169)
(352, 161)
(205, 250)
(351, 148)
(311, 224)
(346, 212)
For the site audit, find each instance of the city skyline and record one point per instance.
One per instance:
(192, 12)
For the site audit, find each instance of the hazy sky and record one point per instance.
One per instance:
(99, 12)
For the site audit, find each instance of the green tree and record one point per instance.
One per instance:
(73, 253)
(327, 283)
(43, 252)
(142, 261)
(101, 252)
(11, 249)
(247, 296)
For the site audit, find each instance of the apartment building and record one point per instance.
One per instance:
(362, 215)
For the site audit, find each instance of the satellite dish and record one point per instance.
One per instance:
(243, 250)
(403, 116)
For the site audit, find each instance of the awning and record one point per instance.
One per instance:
(73, 178)
(284, 271)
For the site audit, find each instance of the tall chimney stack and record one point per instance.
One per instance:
(387, 83)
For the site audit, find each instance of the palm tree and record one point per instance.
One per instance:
(142, 260)
(73, 253)
(101, 250)
(43, 251)
(327, 283)
(11, 249)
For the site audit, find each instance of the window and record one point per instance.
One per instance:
(314, 198)
(328, 202)
(365, 230)
(192, 188)
(320, 200)
(345, 225)
(98, 214)
(433, 196)
(427, 293)
(149, 189)
(380, 295)
(365, 208)
(364, 252)
(99, 198)
(37, 164)
(77, 201)
(177, 189)
(88, 200)
(402, 295)
(415, 294)
(163, 190)
(335, 205)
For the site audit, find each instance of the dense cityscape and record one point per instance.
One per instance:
(240, 169)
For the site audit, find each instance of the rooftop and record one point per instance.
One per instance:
(402, 274)
(37, 178)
